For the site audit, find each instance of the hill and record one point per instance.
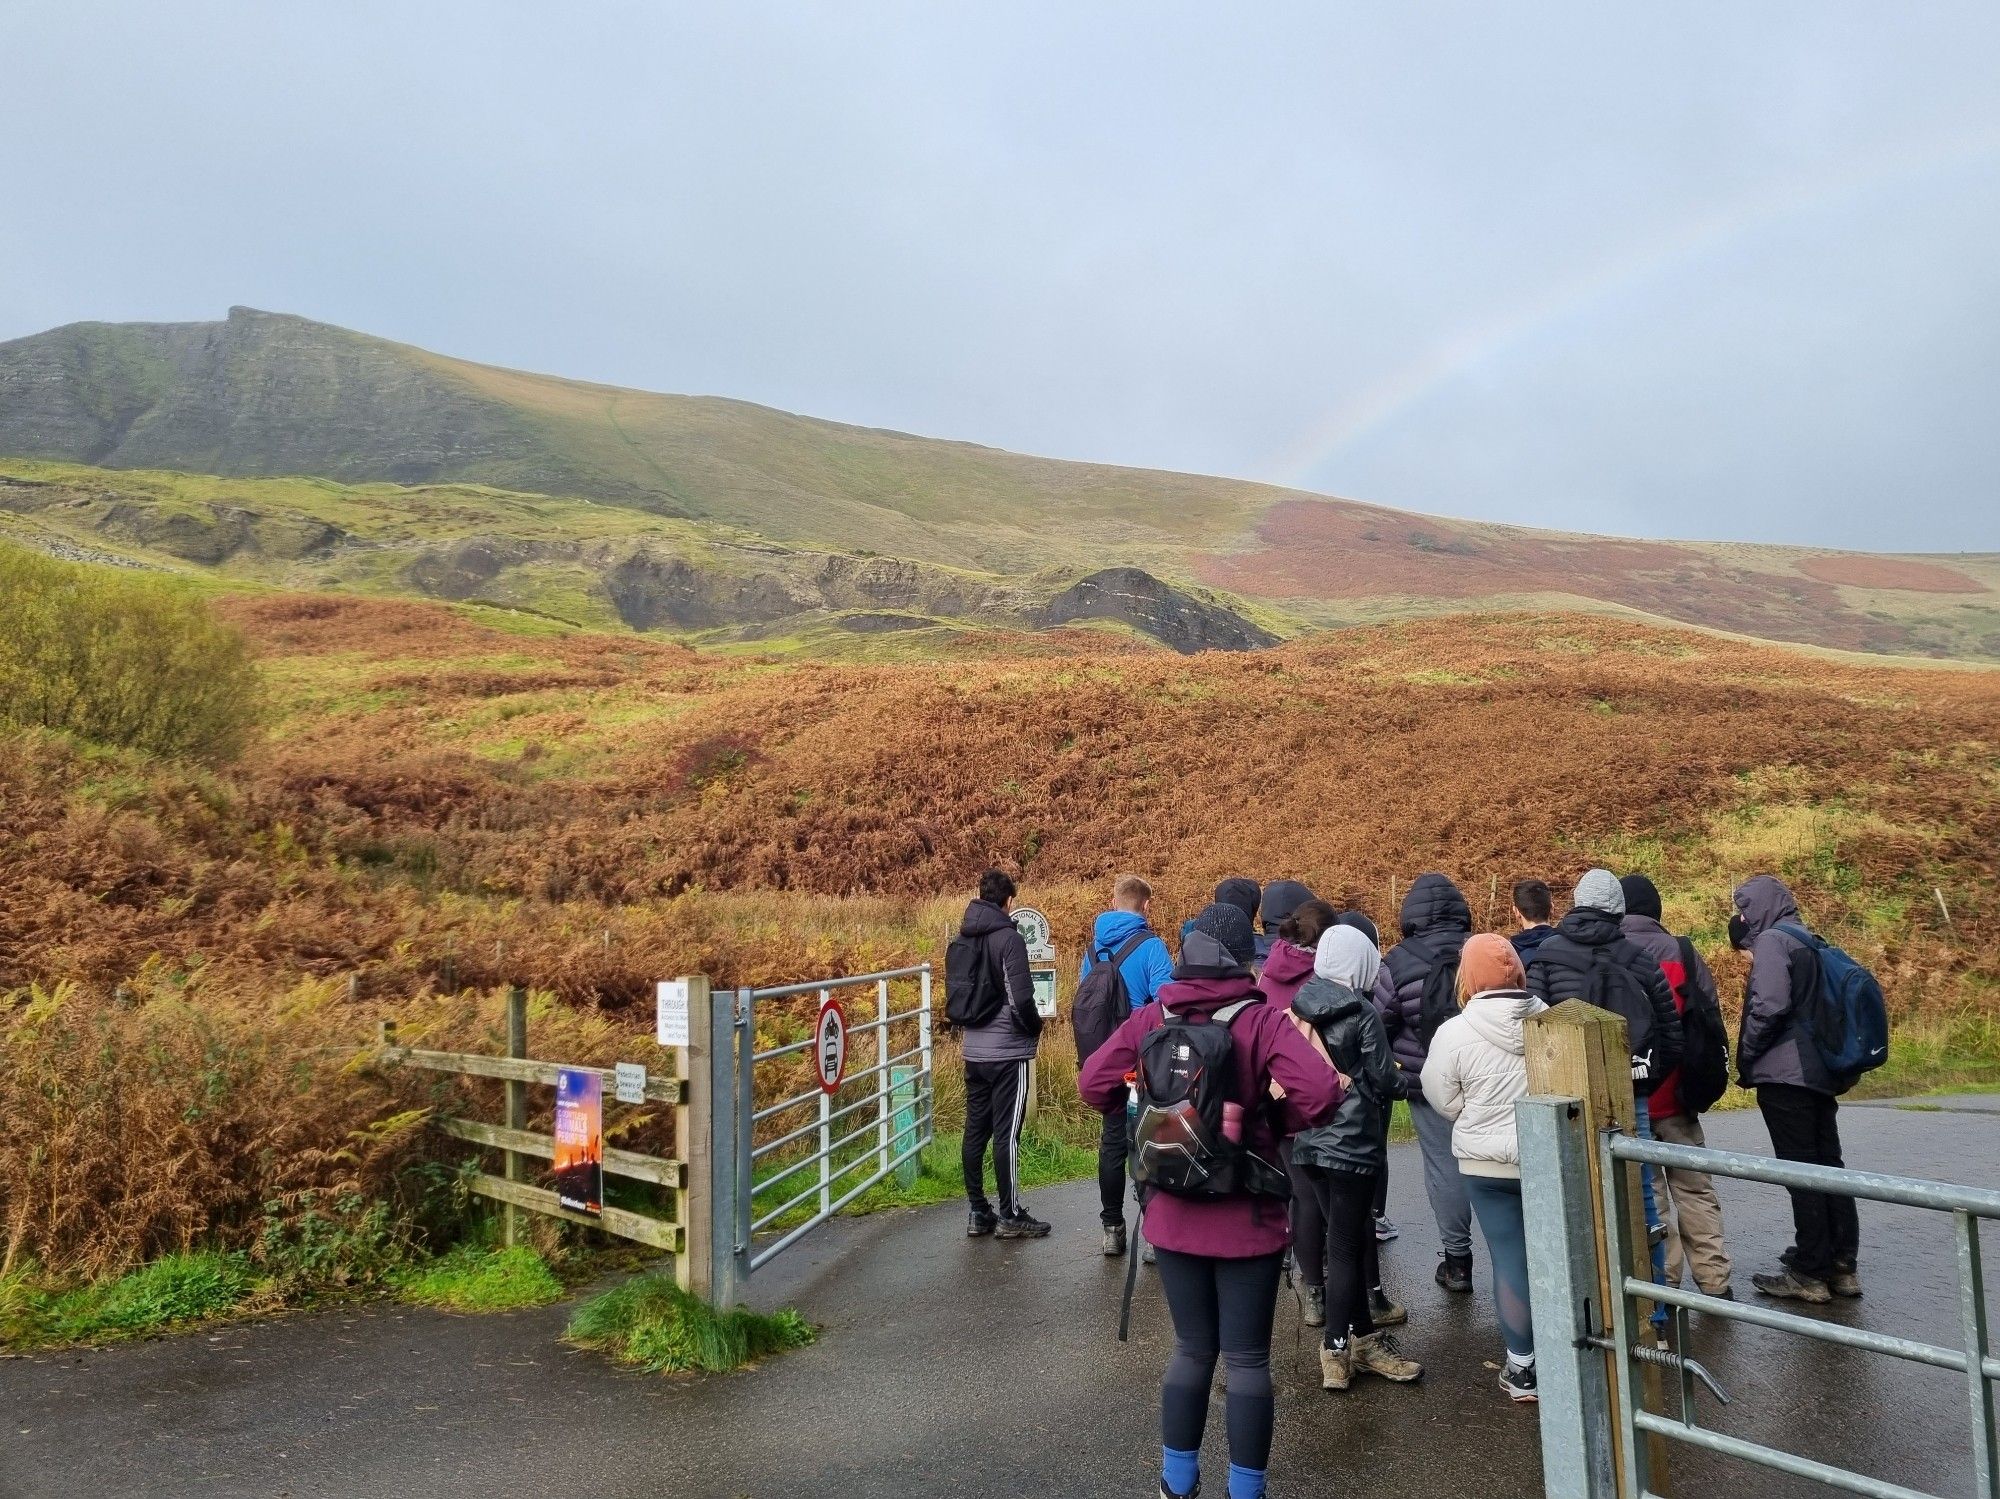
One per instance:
(273, 396)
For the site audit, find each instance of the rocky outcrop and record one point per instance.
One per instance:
(1175, 617)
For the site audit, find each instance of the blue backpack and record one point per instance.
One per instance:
(1845, 1017)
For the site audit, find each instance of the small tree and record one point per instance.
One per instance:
(121, 658)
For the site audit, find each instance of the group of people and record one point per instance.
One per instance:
(1326, 1033)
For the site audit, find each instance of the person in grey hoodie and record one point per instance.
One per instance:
(998, 1059)
(1795, 1093)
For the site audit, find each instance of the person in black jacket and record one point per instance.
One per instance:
(1578, 962)
(998, 1058)
(1532, 908)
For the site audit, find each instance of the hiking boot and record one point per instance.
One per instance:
(1378, 1354)
(980, 1222)
(1167, 1493)
(1454, 1273)
(1312, 1304)
(1383, 1312)
(1793, 1286)
(1843, 1281)
(1385, 1228)
(1336, 1367)
(1114, 1241)
(1021, 1225)
(1519, 1383)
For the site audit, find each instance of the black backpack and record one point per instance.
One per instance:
(1186, 1071)
(1439, 1001)
(1102, 1001)
(1705, 1053)
(1612, 986)
(973, 992)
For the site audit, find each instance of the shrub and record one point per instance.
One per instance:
(121, 659)
(652, 1324)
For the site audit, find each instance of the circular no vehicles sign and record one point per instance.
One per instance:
(830, 1045)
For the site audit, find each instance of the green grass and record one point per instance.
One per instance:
(650, 1323)
(179, 1291)
(472, 1278)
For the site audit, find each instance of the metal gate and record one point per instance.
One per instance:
(808, 1150)
(1578, 1403)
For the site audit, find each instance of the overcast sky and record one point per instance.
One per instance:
(1694, 270)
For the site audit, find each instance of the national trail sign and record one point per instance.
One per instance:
(830, 1045)
(1036, 932)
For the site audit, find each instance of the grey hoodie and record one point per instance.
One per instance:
(1771, 1048)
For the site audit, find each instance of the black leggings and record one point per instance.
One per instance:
(1349, 1267)
(1225, 1307)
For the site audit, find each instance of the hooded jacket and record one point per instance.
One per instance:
(1477, 1070)
(1356, 1138)
(1585, 937)
(1662, 946)
(1268, 1047)
(1014, 1034)
(1286, 969)
(1436, 921)
(1772, 1047)
(1149, 967)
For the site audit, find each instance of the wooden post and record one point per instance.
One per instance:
(694, 1141)
(1579, 1051)
(517, 1104)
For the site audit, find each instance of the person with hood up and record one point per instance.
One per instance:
(1795, 1093)
(1239, 891)
(1280, 899)
(1435, 921)
(1124, 935)
(1340, 1160)
(1219, 1258)
(999, 1056)
(1384, 997)
(1477, 1070)
(1692, 1213)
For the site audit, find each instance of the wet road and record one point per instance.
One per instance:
(974, 1369)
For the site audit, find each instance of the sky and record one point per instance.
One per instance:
(1702, 270)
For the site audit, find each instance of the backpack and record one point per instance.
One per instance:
(973, 992)
(1844, 1015)
(1705, 1053)
(1612, 986)
(1439, 1000)
(1102, 1002)
(1186, 1070)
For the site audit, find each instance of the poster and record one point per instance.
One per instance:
(579, 1163)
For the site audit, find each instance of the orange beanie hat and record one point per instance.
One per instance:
(1488, 962)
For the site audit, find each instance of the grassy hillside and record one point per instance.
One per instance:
(262, 394)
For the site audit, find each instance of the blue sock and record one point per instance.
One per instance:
(1246, 1483)
(1179, 1471)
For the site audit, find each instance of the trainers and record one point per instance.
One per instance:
(1021, 1225)
(1519, 1383)
(1378, 1354)
(1843, 1281)
(1312, 1302)
(1114, 1240)
(979, 1223)
(1385, 1228)
(1793, 1286)
(1146, 1256)
(1454, 1272)
(1383, 1312)
(1336, 1367)
(1167, 1493)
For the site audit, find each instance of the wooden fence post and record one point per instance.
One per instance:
(517, 1104)
(1579, 1051)
(695, 1125)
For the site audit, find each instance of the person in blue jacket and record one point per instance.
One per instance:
(1145, 967)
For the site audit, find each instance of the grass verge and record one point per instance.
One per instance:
(650, 1323)
(180, 1290)
(472, 1278)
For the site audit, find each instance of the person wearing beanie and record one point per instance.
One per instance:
(1335, 1165)
(1239, 891)
(1435, 921)
(1476, 1070)
(1690, 1211)
(1219, 1258)
(1385, 1000)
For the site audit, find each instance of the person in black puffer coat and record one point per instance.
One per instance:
(1436, 921)
(1589, 936)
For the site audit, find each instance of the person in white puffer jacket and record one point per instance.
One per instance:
(1476, 1070)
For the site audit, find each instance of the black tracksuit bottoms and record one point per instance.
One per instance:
(996, 1107)
(1113, 1144)
(1805, 1126)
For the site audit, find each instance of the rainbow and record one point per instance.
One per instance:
(1405, 387)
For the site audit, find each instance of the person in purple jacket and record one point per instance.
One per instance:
(1219, 1258)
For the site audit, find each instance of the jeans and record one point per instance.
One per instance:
(1442, 1182)
(1113, 1143)
(1220, 1307)
(1497, 1200)
(1347, 1251)
(996, 1106)
(1826, 1227)
(1656, 1253)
